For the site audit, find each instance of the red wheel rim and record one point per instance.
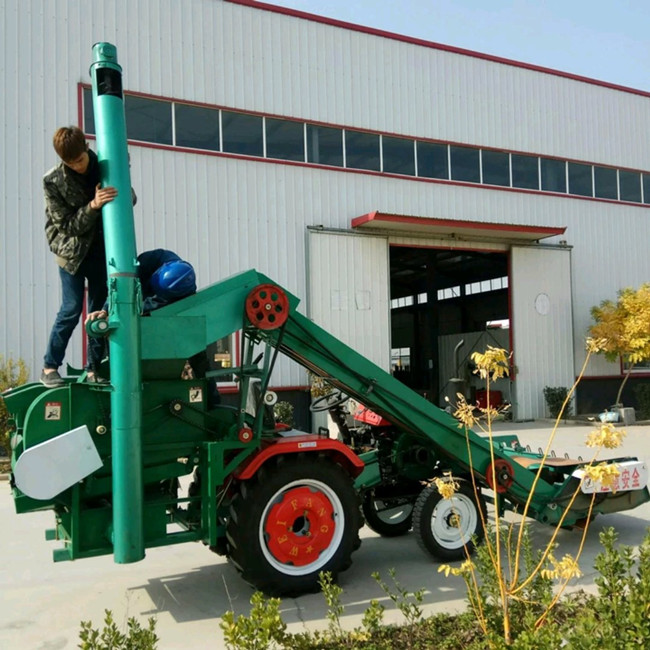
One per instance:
(300, 527)
(245, 434)
(504, 475)
(267, 307)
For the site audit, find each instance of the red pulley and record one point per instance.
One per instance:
(245, 434)
(267, 307)
(503, 473)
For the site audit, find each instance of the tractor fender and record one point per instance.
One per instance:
(302, 444)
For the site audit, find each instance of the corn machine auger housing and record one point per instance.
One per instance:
(283, 505)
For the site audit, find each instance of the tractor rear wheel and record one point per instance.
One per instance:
(449, 529)
(297, 517)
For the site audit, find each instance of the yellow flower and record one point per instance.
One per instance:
(603, 473)
(464, 569)
(446, 569)
(595, 345)
(446, 485)
(606, 436)
(565, 569)
(465, 413)
(492, 364)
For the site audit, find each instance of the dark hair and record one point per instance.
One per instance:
(69, 142)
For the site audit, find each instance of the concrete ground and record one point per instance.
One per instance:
(188, 589)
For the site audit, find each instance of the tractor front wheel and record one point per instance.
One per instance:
(449, 529)
(388, 518)
(297, 517)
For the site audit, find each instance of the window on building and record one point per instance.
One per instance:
(432, 160)
(641, 366)
(89, 116)
(630, 184)
(221, 358)
(171, 123)
(496, 167)
(484, 286)
(400, 360)
(580, 182)
(398, 155)
(242, 133)
(362, 150)
(605, 183)
(398, 303)
(148, 120)
(553, 175)
(324, 145)
(525, 171)
(449, 293)
(465, 164)
(285, 139)
(196, 127)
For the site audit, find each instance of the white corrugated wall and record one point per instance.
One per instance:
(541, 318)
(227, 214)
(349, 291)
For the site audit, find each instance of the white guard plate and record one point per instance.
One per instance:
(633, 475)
(49, 468)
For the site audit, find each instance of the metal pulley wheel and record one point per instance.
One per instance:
(270, 398)
(245, 434)
(503, 473)
(267, 307)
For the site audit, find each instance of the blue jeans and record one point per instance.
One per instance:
(93, 270)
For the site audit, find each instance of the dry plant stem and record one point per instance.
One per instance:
(563, 586)
(541, 467)
(497, 530)
(558, 526)
(476, 497)
(511, 528)
(475, 601)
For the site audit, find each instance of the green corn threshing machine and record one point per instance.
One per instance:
(283, 505)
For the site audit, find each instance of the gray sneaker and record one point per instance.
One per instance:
(52, 379)
(97, 379)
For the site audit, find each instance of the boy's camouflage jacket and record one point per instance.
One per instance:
(70, 223)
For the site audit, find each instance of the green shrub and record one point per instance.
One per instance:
(283, 412)
(642, 392)
(12, 374)
(263, 628)
(555, 397)
(110, 638)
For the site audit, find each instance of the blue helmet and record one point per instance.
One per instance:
(174, 280)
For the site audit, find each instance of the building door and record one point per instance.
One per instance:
(348, 290)
(542, 327)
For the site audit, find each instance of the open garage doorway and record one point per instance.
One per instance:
(446, 304)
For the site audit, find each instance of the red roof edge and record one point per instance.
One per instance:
(546, 231)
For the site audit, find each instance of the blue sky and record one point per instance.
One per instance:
(607, 40)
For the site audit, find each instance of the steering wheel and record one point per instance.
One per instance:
(329, 401)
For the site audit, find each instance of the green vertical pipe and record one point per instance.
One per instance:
(124, 337)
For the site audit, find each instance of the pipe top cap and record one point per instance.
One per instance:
(104, 53)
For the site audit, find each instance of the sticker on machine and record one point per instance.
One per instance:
(196, 394)
(52, 410)
(632, 475)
